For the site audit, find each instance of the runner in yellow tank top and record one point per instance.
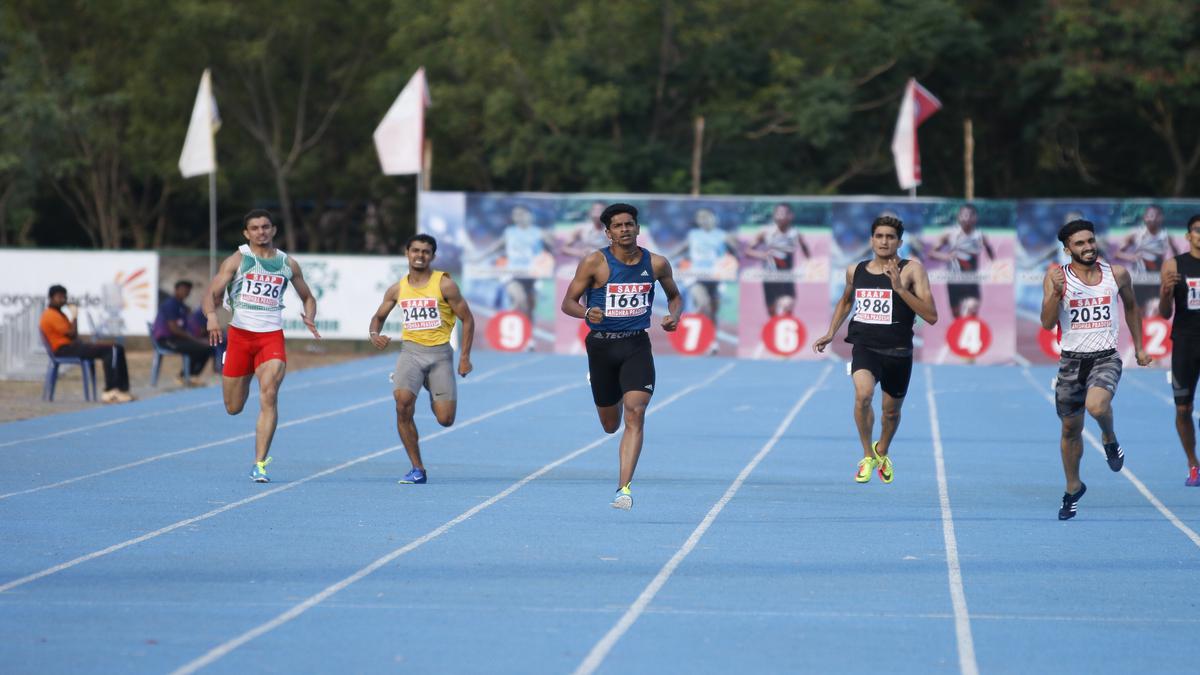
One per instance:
(430, 303)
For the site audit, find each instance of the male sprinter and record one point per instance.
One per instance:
(254, 279)
(429, 302)
(619, 284)
(1082, 299)
(886, 294)
(1180, 292)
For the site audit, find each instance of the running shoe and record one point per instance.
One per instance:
(259, 473)
(1193, 479)
(1070, 503)
(1115, 455)
(624, 498)
(865, 466)
(414, 477)
(885, 464)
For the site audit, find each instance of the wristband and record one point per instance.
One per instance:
(374, 334)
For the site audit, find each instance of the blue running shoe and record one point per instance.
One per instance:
(624, 498)
(259, 473)
(414, 477)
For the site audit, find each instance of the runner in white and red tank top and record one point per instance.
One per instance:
(1081, 298)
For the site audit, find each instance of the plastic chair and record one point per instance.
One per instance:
(89, 373)
(159, 352)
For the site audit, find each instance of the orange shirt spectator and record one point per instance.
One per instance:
(57, 328)
(62, 333)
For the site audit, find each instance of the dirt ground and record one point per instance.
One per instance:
(22, 400)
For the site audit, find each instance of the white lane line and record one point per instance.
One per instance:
(1126, 471)
(967, 663)
(223, 649)
(1166, 399)
(281, 488)
(185, 408)
(601, 649)
(239, 437)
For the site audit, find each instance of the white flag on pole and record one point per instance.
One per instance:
(917, 106)
(399, 138)
(199, 154)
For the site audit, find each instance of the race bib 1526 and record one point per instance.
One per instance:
(262, 290)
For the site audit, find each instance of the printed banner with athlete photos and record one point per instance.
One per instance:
(760, 276)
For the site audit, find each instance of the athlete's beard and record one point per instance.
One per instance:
(1082, 262)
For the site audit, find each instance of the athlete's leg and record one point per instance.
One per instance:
(635, 404)
(889, 422)
(864, 414)
(702, 300)
(1099, 406)
(519, 297)
(1187, 432)
(270, 376)
(1071, 445)
(610, 417)
(444, 411)
(235, 391)
(406, 403)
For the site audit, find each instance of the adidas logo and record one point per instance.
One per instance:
(645, 273)
(650, 387)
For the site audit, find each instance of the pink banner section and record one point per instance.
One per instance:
(760, 276)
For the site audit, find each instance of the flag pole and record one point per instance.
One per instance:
(212, 224)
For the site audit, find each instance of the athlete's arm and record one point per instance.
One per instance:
(840, 312)
(936, 252)
(1166, 289)
(310, 301)
(1133, 317)
(385, 308)
(585, 273)
(912, 286)
(803, 246)
(1052, 294)
(662, 272)
(216, 291)
(458, 303)
(987, 247)
(752, 251)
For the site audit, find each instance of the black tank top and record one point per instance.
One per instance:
(1187, 321)
(880, 319)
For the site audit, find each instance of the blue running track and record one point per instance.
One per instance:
(133, 541)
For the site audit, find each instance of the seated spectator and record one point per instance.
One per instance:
(171, 330)
(62, 332)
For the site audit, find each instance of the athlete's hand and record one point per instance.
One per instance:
(1143, 359)
(380, 341)
(821, 343)
(1169, 279)
(1055, 282)
(587, 314)
(464, 365)
(891, 270)
(214, 332)
(670, 323)
(312, 327)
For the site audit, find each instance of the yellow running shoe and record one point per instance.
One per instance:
(865, 466)
(624, 498)
(885, 464)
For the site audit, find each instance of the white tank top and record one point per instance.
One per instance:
(256, 293)
(1088, 314)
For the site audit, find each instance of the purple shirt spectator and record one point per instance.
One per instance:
(170, 311)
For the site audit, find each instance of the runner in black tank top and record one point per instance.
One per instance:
(1179, 294)
(883, 297)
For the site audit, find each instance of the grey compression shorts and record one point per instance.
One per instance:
(429, 367)
(1079, 372)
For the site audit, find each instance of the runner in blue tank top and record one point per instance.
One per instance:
(618, 282)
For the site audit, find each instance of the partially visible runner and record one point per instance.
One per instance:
(618, 282)
(1179, 292)
(885, 295)
(1081, 298)
(430, 302)
(253, 280)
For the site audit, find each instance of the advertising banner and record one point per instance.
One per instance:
(116, 291)
(348, 289)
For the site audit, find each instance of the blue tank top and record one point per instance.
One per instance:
(626, 297)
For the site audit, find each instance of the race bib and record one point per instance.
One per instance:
(627, 299)
(1193, 286)
(1091, 313)
(420, 313)
(873, 305)
(262, 290)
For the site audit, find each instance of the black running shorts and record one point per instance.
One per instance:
(618, 365)
(891, 372)
(1185, 369)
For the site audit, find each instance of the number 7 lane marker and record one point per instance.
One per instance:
(1126, 472)
(263, 495)
(224, 649)
(239, 437)
(967, 663)
(601, 649)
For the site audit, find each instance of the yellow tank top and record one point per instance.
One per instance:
(427, 318)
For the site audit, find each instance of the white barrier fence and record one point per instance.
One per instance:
(22, 356)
